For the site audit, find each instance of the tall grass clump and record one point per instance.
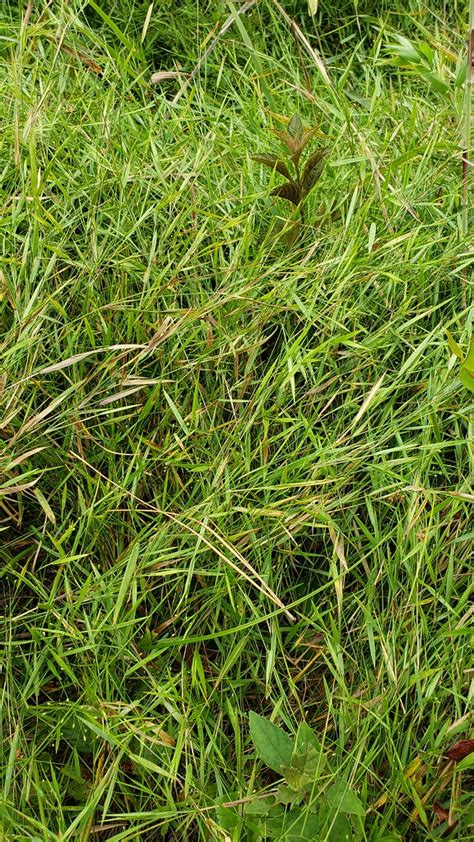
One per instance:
(235, 474)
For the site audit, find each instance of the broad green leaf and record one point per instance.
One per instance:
(466, 762)
(341, 830)
(437, 83)
(296, 825)
(273, 823)
(407, 50)
(274, 826)
(426, 51)
(286, 795)
(391, 838)
(418, 59)
(461, 73)
(227, 818)
(259, 807)
(289, 191)
(466, 374)
(313, 170)
(295, 127)
(271, 743)
(302, 746)
(469, 815)
(469, 361)
(467, 379)
(295, 778)
(341, 799)
(307, 754)
(453, 346)
(272, 161)
(301, 826)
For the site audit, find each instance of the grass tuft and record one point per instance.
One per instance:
(233, 476)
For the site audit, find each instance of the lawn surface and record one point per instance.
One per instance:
(235, 475)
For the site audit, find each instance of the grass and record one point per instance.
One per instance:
(235, 476)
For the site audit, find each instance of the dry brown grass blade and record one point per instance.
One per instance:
(119, 395)
(19, 459)
(338, 544)
(17, 489)
(28, 11)
(86, 61)
(77, 358)
(365, 405)
(40, 416)
(165, 76)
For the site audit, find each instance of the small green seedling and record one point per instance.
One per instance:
(309, 802)
(418, 58)
(299, 184)
(466, 373)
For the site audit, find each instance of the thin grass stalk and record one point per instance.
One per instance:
(467, 121)
(465, 188)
